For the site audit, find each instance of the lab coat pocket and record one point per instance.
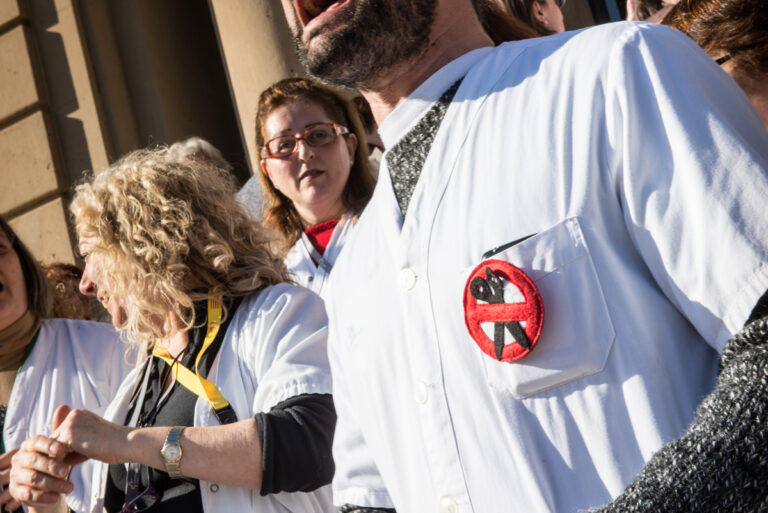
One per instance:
(576, 334)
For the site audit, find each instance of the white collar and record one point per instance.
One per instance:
(410, 110)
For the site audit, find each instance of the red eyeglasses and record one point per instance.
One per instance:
(318, 134)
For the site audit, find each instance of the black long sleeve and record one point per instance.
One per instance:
(296, 437)
(349, 508)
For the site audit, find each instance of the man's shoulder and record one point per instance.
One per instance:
(576, 62)
(585, 48)
(604, 35)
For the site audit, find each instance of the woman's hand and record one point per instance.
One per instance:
(38, 473)
(6, 500)
(41, 466)
(38, 476)
(89, 436)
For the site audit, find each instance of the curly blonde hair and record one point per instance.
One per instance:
(169, 232)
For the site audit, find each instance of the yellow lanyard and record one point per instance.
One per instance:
(193, 381)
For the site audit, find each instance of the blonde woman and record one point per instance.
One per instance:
(231, 411)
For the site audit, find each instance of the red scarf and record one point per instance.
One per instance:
(320, 234)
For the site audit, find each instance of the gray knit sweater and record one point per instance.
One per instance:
(720, 464)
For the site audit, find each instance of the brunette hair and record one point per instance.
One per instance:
(279, 211)
(738, 28)
(63, 282)
(39, 299)
(644, 9)
(502, 24)
(364, 111)
(520, 9)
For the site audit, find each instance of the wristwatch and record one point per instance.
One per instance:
(171, 452)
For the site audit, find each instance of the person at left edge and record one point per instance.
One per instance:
(169, 250)
(45, 361)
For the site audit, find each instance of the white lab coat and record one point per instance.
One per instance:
(638, 168)
(77, 363)
(299, 262)
(274, 349)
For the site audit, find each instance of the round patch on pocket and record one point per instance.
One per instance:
(503, 310)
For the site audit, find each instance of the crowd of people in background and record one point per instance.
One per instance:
(484, 264)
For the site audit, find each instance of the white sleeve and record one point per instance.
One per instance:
(357, 480)
(286, 332)
(691, 155)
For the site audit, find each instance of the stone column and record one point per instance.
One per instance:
(258, 50)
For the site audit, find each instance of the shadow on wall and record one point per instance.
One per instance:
(68, 137)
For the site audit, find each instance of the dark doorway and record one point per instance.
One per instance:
(162, 76)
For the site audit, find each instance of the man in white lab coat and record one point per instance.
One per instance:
(565, 234)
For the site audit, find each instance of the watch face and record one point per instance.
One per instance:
(172, 452)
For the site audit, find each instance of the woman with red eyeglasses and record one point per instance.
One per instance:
(314, 172)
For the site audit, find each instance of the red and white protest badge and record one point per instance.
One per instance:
(501, 299)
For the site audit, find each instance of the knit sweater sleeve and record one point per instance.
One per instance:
(721, 462)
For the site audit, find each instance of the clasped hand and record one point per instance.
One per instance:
(40, 468)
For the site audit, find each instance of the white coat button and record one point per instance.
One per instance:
(421, 392)
(213, 488)
(448, 505)
(407, 278)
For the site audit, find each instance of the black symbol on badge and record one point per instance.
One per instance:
(491, 290)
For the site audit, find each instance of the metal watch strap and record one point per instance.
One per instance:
(173, 465)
